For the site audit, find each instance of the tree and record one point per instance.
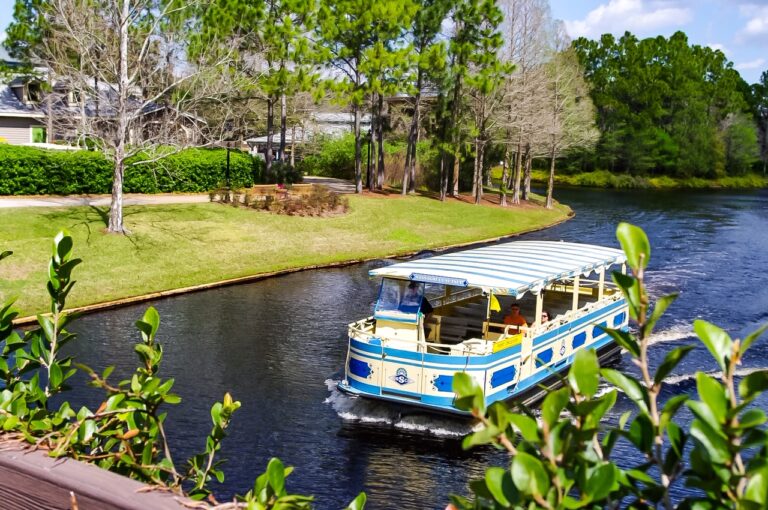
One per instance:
(473, 45)
(740, 143)
(526, 44)
(571, 113)
(430, 58)
(760, 101)
(128, 88)
(357, 40)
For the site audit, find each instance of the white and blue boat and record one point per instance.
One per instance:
(446, 314)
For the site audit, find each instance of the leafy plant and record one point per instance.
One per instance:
(564, 460)
(126, 434)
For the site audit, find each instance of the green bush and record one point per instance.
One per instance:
(333, 157)
(33, 171)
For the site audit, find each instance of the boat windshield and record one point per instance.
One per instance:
(399, 296)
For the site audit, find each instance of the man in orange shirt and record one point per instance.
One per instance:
(514, 318)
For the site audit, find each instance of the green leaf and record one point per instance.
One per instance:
(624, 339)
(753, 384)
(630, 287)
(276, 475)
(635, 244)
(63, 245)
(470, 394)
(56, 376)
(716, 340)
(6, 253)
(527, 426)
(553, 405)
(358, 503)
(601, 482)
(584, 374)
(671, 360)
(713, 395)
(631, 387)
(529, 474)
(749, 339)
(757, 488)
(671, 406)
(715, 445)
(499, 483)
(661, 306)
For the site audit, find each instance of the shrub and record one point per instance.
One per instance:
(332, 157)
(32, 171)
(566, 459)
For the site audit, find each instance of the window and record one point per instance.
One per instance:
(34, 92)
(39, 135)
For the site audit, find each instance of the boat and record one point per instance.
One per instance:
(445, 314)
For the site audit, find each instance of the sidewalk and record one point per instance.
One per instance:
(336, 185)
(100, 200)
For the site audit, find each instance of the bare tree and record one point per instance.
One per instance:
(571, 112)
(526, 27)
(131, 85)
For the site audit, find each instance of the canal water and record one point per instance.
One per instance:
(279, 347)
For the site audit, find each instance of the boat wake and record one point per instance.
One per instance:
(671, 334)
(371, 412)
(682, 378)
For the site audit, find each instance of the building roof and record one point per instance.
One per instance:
(512, 268)
(10, 106)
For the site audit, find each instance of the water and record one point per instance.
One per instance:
(279, 345)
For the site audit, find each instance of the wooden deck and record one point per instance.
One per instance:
(33, 480)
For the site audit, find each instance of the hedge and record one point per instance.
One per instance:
(32, 171)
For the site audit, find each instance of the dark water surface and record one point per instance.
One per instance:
(279, 346)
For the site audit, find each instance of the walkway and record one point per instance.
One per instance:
(336, 185)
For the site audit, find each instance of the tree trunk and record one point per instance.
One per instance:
(518, 173)
(456, 139)
(380, 138)
(443, 174)
(479, 182)
(409, 172)
(370, 177)
(551, 181)
(475, 168)
(503, 184)
(527, 178)
(283, 124)
(293, 146)
(270, 124)
(116, 207)
(358, 151)
(49, 113)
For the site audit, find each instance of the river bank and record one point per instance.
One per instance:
(607, 180)
(178, 248)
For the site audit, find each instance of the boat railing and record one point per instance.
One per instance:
(454, 297)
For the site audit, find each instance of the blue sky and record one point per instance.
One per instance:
(737, 27)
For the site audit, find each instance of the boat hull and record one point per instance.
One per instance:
(424, 380)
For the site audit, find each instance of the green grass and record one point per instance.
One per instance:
(605, 179)
(175, 246)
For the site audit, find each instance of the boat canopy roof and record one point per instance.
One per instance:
(512, 268)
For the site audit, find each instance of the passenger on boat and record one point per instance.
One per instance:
(544, 316)
(514, 318)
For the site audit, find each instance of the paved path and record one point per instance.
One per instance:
(100, 200)
(337, 185)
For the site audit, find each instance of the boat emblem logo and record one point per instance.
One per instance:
(401, 377)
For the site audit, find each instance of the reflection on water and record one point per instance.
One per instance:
(278, 345)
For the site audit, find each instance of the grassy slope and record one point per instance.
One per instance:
(175, 246)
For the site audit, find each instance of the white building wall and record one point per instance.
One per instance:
(17, 130)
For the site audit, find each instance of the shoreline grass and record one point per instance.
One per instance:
(182, 245)
(607, 180)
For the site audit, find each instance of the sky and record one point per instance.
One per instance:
(739, 28)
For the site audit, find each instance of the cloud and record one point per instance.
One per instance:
(718, 46)
(758, 63)
(756, 27)
(637, 16)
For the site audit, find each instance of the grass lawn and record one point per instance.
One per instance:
(175, 246)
